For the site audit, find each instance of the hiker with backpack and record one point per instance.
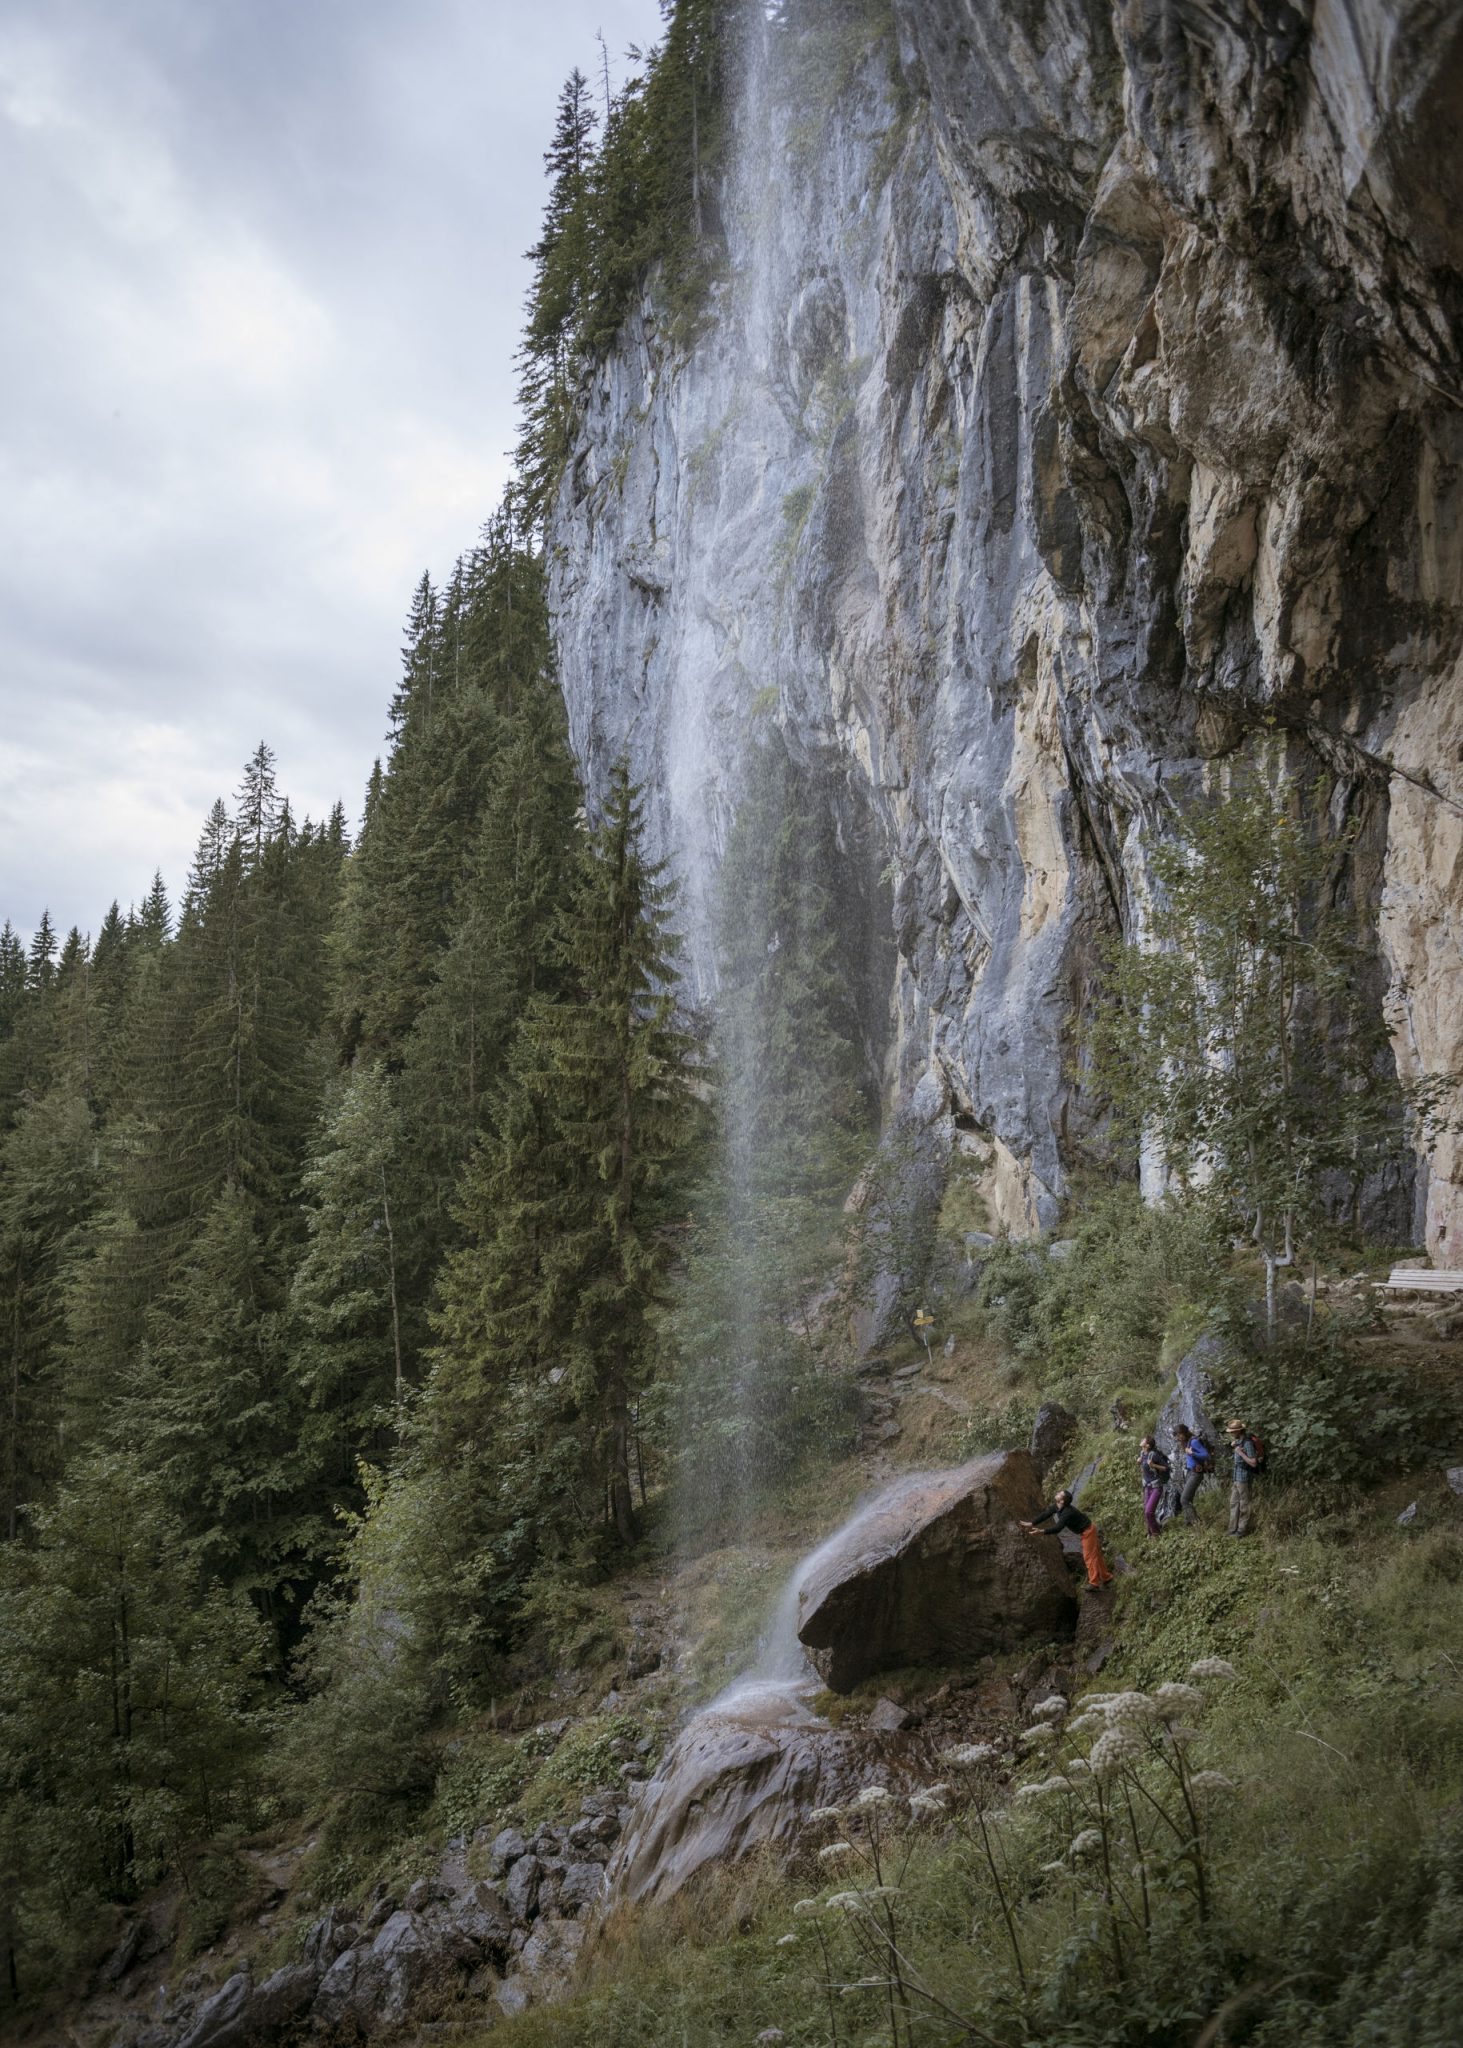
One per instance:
(1249, 1458)
(1198, 1464)
(1154, 1472)
(1062, 1515)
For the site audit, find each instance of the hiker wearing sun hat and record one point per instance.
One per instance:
(1246, 1465)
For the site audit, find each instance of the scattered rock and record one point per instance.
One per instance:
(936, 1571)
(219, 2019)
(1407, 1517)
(337, 1990)
(507, 1847)
(1051, 1432)
(888, 1717)
(544, 1966)
(1454, 1477)
(521, 1895)
(334, 1932)
(124, 1955)
(280, 1999)
(580, 1887)
(1061, 1248)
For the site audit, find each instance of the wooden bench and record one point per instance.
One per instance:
(1421, 1280)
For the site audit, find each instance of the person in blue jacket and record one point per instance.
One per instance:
(1198, 1464)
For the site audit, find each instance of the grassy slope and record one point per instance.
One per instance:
(1337, 1861)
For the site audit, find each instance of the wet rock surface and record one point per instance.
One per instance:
(940, 1573)
(1144, 469)
(735, 1782)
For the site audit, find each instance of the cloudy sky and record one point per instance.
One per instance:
(263, 270)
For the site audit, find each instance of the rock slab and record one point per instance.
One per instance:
(937, 1572)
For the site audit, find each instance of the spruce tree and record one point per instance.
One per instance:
(603, 1109)
(346, 1295)
(128, 1721)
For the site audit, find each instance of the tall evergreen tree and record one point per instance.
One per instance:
(128, 1715)
(603, 1108)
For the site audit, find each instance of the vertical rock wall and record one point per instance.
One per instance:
(1079, 416)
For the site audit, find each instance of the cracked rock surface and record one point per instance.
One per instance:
(1078, 420)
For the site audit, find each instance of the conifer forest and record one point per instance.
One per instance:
(601, 1350)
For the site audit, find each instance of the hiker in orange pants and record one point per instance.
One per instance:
(1062, 1515)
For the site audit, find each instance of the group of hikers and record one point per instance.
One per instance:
(1156, 1475)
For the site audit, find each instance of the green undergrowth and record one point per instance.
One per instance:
(1334, 1857)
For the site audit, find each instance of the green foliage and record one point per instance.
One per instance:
(1105, 1308)
(546, 1324)
(589, 1755)
(644, 202)
(1241, 1037)
(1324, 1408)
(129, 1720)
(479, 1784)
(1331, 1863)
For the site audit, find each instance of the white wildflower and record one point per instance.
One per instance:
(1043, 1789)
(924, 1804)
(845, 1902)
(1179, 1737)
(1040, 1735)
(941, 1791)
(1086, 1843)
(1205, 1782)
(872, 1795)
(1119, 1746)
(1051, 1709)
(1095, 1719)
(1212, 1667)
(835, 1851)
(822, 1814)
(1054, 1866)
(882, 1891)
(1078, 1767)
(1175, 1698)
(1098, 1700)
(804, 1907)
(1130, 1707)
(783, 1940)
(967, 1755)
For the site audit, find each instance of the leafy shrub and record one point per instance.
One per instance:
(587, 1757)
(1328, 1413)
(480, 1780)
(1133, 1270)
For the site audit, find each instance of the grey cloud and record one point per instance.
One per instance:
(264, 280)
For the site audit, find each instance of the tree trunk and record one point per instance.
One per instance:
(622, 1498)
(395, 1313)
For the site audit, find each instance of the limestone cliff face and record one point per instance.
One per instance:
(1079, 416)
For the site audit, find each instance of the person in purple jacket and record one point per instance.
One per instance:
(1153, 1470)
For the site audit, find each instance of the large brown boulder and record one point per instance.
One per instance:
(937, 1571)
